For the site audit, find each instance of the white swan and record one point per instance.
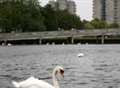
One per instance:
(36, 83)
(80, 55)
(9, 44)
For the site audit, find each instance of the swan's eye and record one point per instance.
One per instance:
(61, 71)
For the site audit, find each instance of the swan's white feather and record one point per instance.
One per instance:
(16, 84)
(32, 83)
(80, 55)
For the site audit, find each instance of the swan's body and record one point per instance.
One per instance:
(33, 82)
(9, 44)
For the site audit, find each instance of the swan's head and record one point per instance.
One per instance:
(58, 71)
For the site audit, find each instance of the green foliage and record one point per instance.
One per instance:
(29, 16)
(113, 25)
(55, 19)
(20, 16)
(50, 18)
(67, 21)
(98, 24)
(86, 25)
(94, 24)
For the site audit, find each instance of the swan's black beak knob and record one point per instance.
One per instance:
(62, 72)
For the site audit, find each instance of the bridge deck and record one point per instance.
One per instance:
(59, 34)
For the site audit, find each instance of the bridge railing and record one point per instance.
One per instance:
(35, 35)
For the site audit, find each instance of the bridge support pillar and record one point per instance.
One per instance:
(72, 40)
(4, 43)
(40, 41)
(102, 39)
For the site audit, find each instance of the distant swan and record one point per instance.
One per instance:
(80, 55)
(36, 83)
(9, 44)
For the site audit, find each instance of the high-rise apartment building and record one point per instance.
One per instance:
(52, 3)
(64, 5)
(108, 10)
(71, 7)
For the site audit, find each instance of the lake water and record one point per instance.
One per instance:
(99, 68)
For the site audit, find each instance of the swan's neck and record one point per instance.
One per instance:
(55, 81)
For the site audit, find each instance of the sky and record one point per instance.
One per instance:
(84, 8)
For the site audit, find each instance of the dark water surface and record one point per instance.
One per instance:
(99, 68)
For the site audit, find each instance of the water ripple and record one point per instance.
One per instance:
(100, 68)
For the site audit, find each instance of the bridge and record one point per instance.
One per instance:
(97, 36)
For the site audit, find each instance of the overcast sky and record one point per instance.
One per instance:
(84, 8)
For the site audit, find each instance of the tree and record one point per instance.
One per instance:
(67, 21)
(114, 25)
(50, 18)
(55, 18)
(21, 15)
(98, 24)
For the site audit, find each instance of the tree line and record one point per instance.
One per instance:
(30, 16)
